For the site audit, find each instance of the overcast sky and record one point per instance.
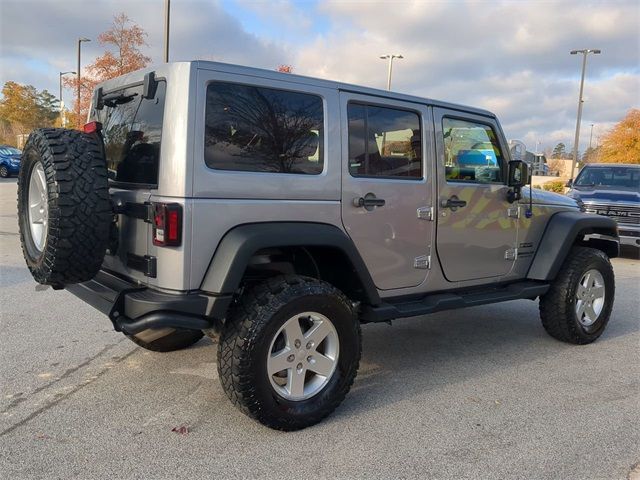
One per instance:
(509, 57)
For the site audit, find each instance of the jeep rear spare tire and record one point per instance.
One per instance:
(64, 211)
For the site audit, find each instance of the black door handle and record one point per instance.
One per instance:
(453, 203)
(369, 202)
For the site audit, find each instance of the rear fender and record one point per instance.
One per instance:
(237, 247)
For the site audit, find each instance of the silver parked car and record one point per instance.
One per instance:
(278, 213)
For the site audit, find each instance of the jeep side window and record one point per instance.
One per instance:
(471, 152)
(384, 142)
(258, 129)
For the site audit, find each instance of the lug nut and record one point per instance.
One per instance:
(291, 358)
(310, 359)
(297, 343)
(310, 345)
(299, 367)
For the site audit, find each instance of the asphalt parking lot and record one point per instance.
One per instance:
(480, 393)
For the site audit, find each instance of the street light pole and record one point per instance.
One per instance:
(390, 57)
(80, 40)
(167, 10)
(584, 53)
(62, 119)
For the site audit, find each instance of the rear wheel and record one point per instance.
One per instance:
(289, 352)
(166, 339)
(577, 307)
(4, 172)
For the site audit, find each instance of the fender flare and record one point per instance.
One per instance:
(239, 244)
(561, 233)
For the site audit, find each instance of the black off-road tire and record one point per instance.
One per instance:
(558, 305)
(166, 340)
(79, 209)
(246, 339)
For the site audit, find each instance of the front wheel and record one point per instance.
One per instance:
(4, 172)
(577, 307)
(289, 352)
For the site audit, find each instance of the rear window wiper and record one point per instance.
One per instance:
(115, 99)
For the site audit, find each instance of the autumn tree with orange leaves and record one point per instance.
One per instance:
(622, 143)
(123, 42)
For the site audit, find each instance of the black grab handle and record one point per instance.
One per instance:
(369, 202)
(453, 203)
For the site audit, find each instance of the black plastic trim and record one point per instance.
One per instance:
(141, 211)
(146, 264)
(127, 302)
(561, 233)
(160, 320)
(239, 244)
(436, 302)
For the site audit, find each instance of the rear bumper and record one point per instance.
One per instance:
(133, 308)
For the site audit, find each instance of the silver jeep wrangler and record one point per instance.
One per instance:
(278, 213)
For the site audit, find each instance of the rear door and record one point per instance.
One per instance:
(477, 226)
(386, 187)
(132, 131)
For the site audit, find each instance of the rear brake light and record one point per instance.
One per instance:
(92, 127)
(167, 224)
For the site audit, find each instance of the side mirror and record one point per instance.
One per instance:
(518, 175)
(569, 184)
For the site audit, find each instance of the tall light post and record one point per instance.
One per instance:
(390, 57)
(80, 40)
(167, 10)
(584, 53)
(62, 118)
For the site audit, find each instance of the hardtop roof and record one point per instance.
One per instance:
(161, 69)
(303, 79)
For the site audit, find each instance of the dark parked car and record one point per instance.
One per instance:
(612, 190)
(9, 161)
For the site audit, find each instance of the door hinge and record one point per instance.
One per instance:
(511, 254)
(513, 212)
(425, 213)
(146, 264)
(422, 262)
(141, 211)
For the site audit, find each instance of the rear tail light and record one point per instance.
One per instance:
(92, 127)
(167, 224)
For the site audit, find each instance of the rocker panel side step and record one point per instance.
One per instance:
(437, 302)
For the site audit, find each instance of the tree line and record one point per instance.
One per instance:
(24, 108)
(621, 144)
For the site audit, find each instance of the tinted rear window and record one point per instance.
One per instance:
(132, 132)
(257, 129)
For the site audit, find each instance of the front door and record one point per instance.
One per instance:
(477, 226)
(386, 187)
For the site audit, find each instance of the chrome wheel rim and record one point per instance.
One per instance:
(590, 297)
(38, 203)
(303, 356)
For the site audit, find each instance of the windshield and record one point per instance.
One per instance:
(615, 177)
(132, 130)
